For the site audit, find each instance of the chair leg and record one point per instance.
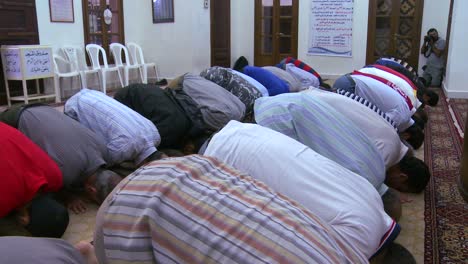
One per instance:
(84, 84)
(145, 74)
(126, 81)
(139, 74)
(120, 78)
(141, 68)
(57, 89)
(80, 78)
(155, 73)
(104, 84)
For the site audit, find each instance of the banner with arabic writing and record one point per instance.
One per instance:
(331, 28)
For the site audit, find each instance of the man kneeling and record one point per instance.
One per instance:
(196, 209)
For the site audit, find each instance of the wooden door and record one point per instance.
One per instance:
(220, 13)
(394, 29)
(96, 30)
(275, 31)
(18, 26)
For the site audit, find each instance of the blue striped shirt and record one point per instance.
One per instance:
(128, 135)
(318, 126)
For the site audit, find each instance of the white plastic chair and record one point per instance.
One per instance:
(77, 60)
(60, 63)
(136, 55)
(93, 51)
(116, 49)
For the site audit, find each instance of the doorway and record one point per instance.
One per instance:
(394, 29)
(18, 26)
(96, 30)
(220, 20)
(276, 23)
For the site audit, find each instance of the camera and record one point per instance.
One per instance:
(427, 38)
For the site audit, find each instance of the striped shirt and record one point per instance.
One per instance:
(385, 98)
(363, 114)
(317, 125)
(406, 86)
(128, 135)
(369, 105)
(348, 202)
(395, 87)
(195, 209)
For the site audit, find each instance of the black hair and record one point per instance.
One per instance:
(432, 30)
(419, 121)
(417, 171)
(48, 218)
(416, 136)
(433, 97)
(422, 114)
(397, 253)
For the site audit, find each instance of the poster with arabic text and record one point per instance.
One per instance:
(331, 28)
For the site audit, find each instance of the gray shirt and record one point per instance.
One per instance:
(217, 105)
(38, 250)
(77, 150)
(433, 60)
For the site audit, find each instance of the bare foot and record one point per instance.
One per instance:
(87, 250)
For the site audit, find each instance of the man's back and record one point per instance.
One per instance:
(153, 103)
(383, 134)
(77, 150)
(317, 125)
(127, 134)
(196, 209)
(24, 170)
(348, 202)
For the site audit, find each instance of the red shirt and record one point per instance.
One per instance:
(24, 169)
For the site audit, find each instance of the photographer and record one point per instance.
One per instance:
(433, 49)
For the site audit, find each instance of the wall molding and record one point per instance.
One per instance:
(461, 94)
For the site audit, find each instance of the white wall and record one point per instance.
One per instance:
(455, 83)
(177, 48)
(59, 34)
(242, 43)
(184, 46)
(435, 15)
(242, 30)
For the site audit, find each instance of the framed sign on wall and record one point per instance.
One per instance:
(163, 11)
(61, 11)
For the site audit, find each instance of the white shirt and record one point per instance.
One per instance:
(384, 136)
(386, 99)
(306, 78)
(401, 83)
(348, 202)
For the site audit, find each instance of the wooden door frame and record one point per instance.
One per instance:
(104, 40)
(212, 33)
(276, 18)
(371, 25)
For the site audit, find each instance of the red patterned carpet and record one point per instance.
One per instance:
(446, 213)
(460, 109)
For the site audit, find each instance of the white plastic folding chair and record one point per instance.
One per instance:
(93, 51)
(60, 64)
(76, 57)
(117, 49)
(136, 55)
